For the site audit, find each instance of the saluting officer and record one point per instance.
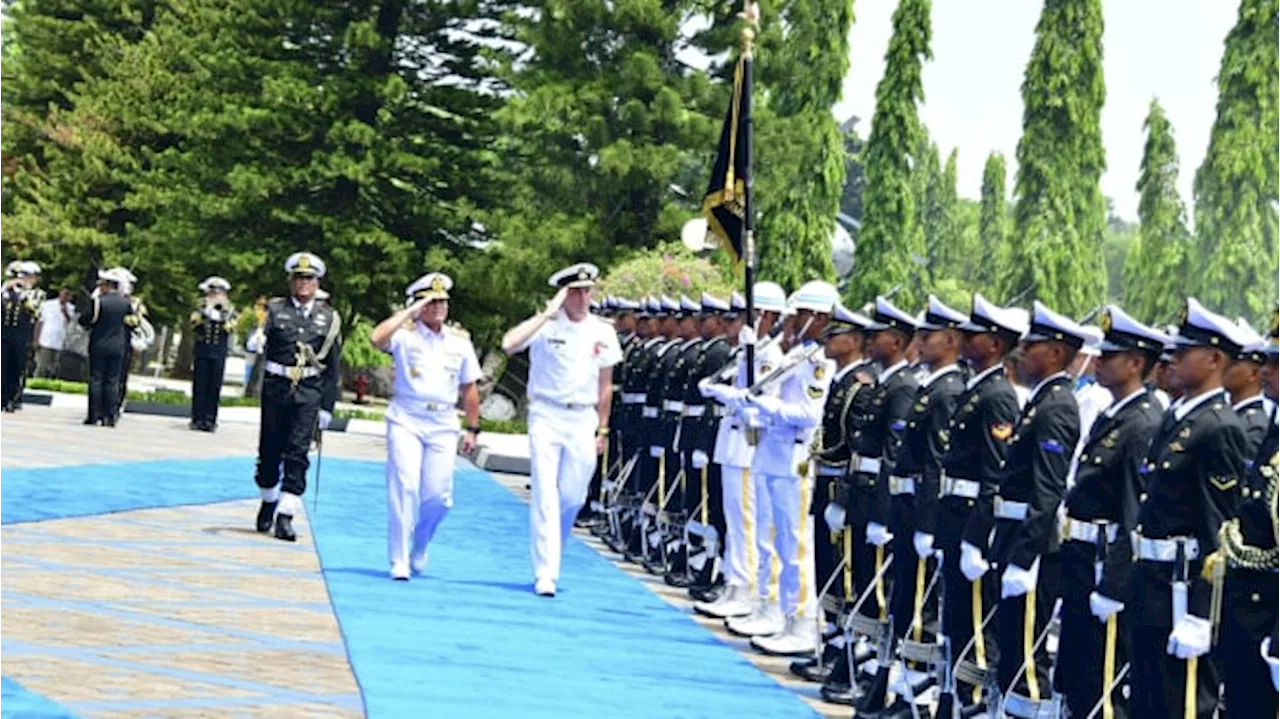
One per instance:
(212, 324)
(1100, 510)
(435, 365)
(1193, 473)
(301, 362)
(571, 359)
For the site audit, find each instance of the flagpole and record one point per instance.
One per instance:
(751, 16)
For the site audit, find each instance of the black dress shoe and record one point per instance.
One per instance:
(838, 692)
(284, 528)
(811, 670)
(193, 425)
(266, 516)
(109, 422)
(706, 594)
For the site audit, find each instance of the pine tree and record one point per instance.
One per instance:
(993, 230)
(1155, 271)
(890, 232)
(1060, 213)
(1235, 250)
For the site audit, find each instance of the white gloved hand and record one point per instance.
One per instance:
(325, 419)
(923, 543)
(1190, 637)
(1273, 663)
(699, 459)
(751, 414)
(971, 562)
(655, 450)
(1104, 607)
(1016, 581)
(834, 515)
(768, 404)
(747, 335)
(878, 534)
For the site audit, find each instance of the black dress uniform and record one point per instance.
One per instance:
(1193, 471)
(705, 496)
(212, 325)
(1257, 422)
(106, 317)
(657, 469)
(20, 308)
(301, 356)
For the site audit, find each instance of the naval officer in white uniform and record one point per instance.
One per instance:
(570, 389)
(434, 365)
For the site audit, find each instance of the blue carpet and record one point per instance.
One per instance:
(471, 639)
(17, 702)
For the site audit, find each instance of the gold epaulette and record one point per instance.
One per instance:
(458, 331)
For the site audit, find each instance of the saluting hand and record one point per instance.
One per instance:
(554, 304)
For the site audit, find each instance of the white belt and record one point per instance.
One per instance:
(415, 407)
(957, 487)
(290, 371)
(867, 465)
(650, 412)
(829, 470)
(563, 405)
(902, 485)
(1164, 550)
(672, 406)
(695, 410)
(1083, 531)
(633, 397)
(1017, 511)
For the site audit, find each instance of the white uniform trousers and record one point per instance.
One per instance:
(740, 527)
(790, 498)
(766, 557)
(562, 453)
(419, 485)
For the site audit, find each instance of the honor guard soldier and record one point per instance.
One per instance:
(673, 501)
(849, 396)
(974, 449)
(1100, 510)
(913, 488)
(1243, 382)
(1024, 546)
(212, 323)
(106, 316)
(435, 366)
(663, 467)
(1193, 472)
(634, 390)
(1246, 564)
(652, 463)
(21, 307)
(301, 356)
(571, 359)
(734, 452)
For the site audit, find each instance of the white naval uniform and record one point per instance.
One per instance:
(422, 434)
(777, 463)
(565, 359)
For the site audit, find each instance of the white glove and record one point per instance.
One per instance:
(878, 534)
(924, 544)
(971, 562)
(325, 419)
(752, 416)
(834, 514)
(707, 388)
(747, 335)
(768, 404)
(700, 459)
(1016, 581)
(1104, 607)
(655, 450)
(1190, 637)
(1272, 663)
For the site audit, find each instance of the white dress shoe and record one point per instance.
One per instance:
(418, 563)
(799, 636)
(733, 603)
(766, 619)
(399, 572)
(544, 588)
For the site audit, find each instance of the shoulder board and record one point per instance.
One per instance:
(458, 331)
(276, 303)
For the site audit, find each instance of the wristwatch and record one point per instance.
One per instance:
(602, 432)
(474, 429)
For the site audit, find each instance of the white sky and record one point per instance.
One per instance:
(1169, 49)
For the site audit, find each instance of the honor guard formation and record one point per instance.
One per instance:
(998, 513)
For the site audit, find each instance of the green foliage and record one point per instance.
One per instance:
(503, 426)
(1156, 273)
(890, 233)
(357, 352)
(671, 270)
(1060, 213)
(1235, 249)
(993, 230)
(1117, 245)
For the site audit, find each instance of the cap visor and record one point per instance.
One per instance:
(1109, 346)
(577, 284)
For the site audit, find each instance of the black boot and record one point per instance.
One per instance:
(811, 670)
(284, 528)
(266, 516)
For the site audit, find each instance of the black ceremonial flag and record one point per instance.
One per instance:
(724, 205)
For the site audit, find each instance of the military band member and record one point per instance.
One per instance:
(1243, 382)
(212, 323)
(571, 358)
(435, 366)
(141, 334)
(21, 308)
(301, 356)
(106, 316)
(1099, 512)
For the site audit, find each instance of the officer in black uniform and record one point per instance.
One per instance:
(21, 307)
(913, 486)
(645, 398)
(674, 382)
(107, 317)
(300, 358)
(1193, 474)
(1243, 382)
(974, 450)
(212, 324)
(1024, 549)
(1100, 512)
(1248, 557)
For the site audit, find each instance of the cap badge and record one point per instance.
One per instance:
(1105, 322)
